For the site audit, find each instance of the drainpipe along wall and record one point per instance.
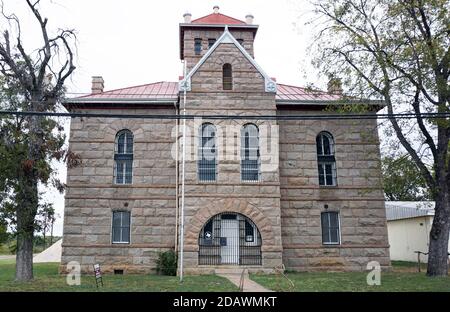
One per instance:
(177, 112)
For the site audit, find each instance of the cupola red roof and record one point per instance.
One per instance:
(218, 18)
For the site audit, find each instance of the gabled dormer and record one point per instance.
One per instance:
(199, 35)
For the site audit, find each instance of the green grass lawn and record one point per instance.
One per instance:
(46, 278)
(398, 280)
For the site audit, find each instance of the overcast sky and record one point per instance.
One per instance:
(137, 41)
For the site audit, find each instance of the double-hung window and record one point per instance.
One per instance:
(121, 227)
(326, 162)
(123, 157)
(330, 228)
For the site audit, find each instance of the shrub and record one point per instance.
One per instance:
(167, 263)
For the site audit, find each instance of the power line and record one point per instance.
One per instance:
(235, 117)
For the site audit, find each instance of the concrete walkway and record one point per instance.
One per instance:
(7, 257)
(249, 285)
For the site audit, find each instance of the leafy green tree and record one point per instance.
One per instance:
(29, 144)
(402, 180)
(4, 235)
(398, 51)
(45, 220)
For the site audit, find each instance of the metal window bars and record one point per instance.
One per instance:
(250, 155)
(226, 239)
(207, 164)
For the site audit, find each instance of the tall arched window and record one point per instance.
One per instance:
(250, 160)
(227, 77)
(325, 158)
(123, 157)
(207, 153)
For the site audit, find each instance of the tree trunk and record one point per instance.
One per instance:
(439, 234)
(28, 202)
(51, 233)
(24, 257)
(28, 206)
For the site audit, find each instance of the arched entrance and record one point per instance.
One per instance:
(229, 238)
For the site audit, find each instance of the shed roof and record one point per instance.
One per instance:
(398, 210)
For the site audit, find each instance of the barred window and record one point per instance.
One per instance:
(198, 46)
(121, 227)
(249, 232)
(207, 153)
(250, 160)
(326, 162)
(123, 157)
(330, 228)
(227, 77)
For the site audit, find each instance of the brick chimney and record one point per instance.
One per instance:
(97, 84)
(249, 19)
(335, 86)
(187, 17)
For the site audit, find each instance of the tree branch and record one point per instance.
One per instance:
(428, 138)
(47, 49)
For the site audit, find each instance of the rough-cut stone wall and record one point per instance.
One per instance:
(285, 205)
(258, 201)
(358, 196)
(91, 196)
(190, 36)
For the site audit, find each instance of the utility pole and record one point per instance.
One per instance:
(182, 179)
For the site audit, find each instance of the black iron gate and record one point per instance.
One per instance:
(229, 239)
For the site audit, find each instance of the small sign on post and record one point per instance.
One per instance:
(98, 275)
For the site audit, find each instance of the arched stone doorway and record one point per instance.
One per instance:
(229, 238)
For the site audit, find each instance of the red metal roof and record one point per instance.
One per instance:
(156, 90)
(293, 93)
(169, 90)
(218, 18)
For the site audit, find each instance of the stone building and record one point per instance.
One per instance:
(260, 189)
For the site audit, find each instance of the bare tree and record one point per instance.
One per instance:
(31, 81)
(399, 51)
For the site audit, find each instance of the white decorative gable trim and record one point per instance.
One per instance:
(227, 37)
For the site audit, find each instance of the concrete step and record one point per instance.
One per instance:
(233, 271)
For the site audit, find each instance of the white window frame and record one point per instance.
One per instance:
(121, 227)
(333, 172)
(321, 135)
(330, 140)
(116, 152)
(339, 227)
